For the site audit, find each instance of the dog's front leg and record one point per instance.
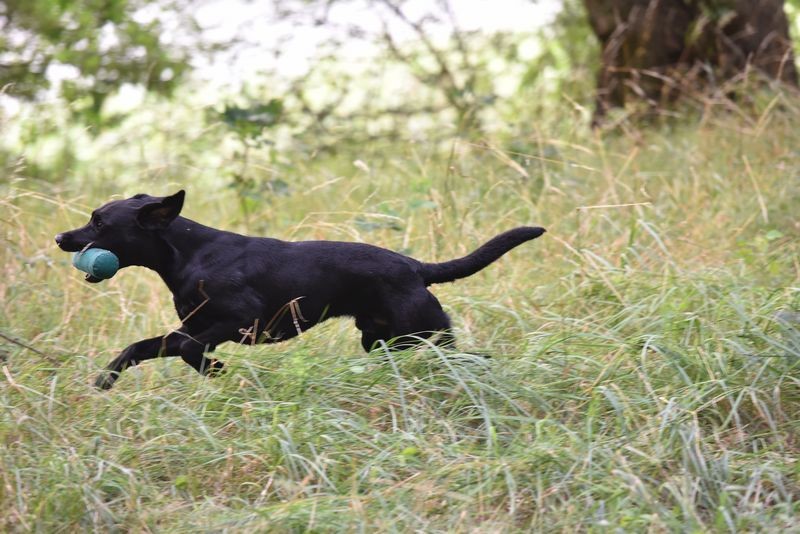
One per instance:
(193, 352)
(146, 349)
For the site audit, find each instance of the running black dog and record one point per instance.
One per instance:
(229, 287)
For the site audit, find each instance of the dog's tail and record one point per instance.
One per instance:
(437, 273)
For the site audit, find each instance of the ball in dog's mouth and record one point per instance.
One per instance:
(97, 263)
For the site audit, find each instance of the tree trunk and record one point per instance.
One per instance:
(658, 49)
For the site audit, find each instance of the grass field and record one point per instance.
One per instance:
(645, 370)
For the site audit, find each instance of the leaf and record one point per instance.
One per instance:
(181, 482)
(772, 235)
(410, 452)
(419, 203)
(251, 121)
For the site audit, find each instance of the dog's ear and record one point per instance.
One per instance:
(158, 215)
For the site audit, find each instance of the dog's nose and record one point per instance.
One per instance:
(59, 239)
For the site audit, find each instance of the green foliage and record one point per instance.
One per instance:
(416, 71)
(253, 127)
(102, 45)
(250, 123)
(569, 59)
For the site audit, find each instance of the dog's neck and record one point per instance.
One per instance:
(175, 247)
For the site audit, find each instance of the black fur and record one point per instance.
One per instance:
(229, 287)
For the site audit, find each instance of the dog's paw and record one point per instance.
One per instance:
(106, 380)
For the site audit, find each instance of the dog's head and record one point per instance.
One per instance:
(129, 228)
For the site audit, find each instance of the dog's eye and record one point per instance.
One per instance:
(98, 223)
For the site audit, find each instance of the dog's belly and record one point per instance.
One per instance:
(248, 319)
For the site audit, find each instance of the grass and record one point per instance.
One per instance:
(645, 361)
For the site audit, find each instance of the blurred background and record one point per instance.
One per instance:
(288, 79)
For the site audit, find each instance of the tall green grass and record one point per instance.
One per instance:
(644, 370)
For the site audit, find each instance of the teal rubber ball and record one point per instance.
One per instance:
(98, 262)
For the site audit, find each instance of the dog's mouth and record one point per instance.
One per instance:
(73, 241)
(70, 247)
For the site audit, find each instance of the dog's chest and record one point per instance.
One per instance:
(189, 307)
(214, 303)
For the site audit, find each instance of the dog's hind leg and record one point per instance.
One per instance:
(370, 339)
(419, 315)
(372, 330)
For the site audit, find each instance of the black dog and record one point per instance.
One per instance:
(229, 287)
